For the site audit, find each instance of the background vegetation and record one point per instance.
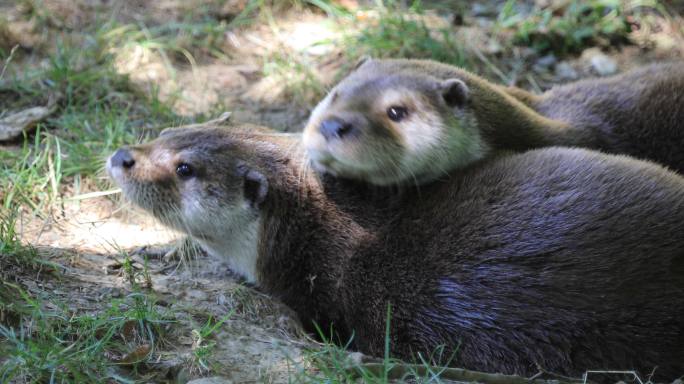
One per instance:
(114, 73)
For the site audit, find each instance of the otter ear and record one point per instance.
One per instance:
(455, 92)
(255, 186)
(363, 60)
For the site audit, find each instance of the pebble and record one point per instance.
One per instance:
(211, 380)
(602, 64)
(565, 71)
(544, 63)
(196, 295)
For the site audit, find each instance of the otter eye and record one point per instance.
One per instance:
(184, 171)
(396, 113)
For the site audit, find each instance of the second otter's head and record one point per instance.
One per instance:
(388, 122)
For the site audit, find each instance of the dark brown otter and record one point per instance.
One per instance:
(565, 259)
(411, 121)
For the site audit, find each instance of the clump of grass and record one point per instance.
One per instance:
(181, 41)
(298, 81)
(573, 25)
(401, 33)
(256, 9)
(332, 363)
(202, 347)
(30, 176)
(54, 344)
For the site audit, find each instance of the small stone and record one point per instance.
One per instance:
(493, 47)
(210, 380)
(600, 62)
(544, 63)
(565, 71)
(480, 10)
(196, 295)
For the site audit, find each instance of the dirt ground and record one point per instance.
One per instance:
(261, 341)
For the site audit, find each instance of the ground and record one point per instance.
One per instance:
(87, 293)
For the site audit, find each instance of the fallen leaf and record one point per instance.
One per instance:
(136, 356)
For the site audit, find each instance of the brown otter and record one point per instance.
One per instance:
(410, 121)
(561, 258)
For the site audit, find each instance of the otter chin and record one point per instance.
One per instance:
(559, 258)
(398, 121)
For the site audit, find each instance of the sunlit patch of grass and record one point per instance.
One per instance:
(294, 77)
(402, 33)
(98, 111)
(575, 25)
(30, 176)
(14, 255)
(174, 41)
(258, 9)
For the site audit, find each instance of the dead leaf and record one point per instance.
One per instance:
(136, 356)
(129, 329)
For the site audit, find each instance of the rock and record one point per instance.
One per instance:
(211, 380)
(544, 63)
(493, 47)
(599, 62)
(195, 295)
(483, 10)
(565, 71)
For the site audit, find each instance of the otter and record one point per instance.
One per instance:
(559, 258)
(412, 121)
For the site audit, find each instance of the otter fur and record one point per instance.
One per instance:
(558, 258)
(412, 121)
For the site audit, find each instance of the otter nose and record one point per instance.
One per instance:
(335, 128)
(122, 158)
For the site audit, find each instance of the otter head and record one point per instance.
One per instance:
(202, 182)
(388, 124)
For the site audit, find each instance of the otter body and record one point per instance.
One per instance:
(639, 113)
(563, 259)
(411, 121)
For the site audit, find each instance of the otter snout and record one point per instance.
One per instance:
(122, 158)
(336, 128)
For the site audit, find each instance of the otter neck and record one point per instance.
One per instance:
(304, 250)
(509, 123)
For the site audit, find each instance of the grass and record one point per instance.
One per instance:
(99, 110)
(42, 339)
(574, 26)
(202, 347)
(53, 343)
(402, 33)
(332, 363)
(294, 75)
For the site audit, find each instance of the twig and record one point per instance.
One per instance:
(457, 374)
(633, 373)
(7, 62)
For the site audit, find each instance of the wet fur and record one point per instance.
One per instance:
(560, 258)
